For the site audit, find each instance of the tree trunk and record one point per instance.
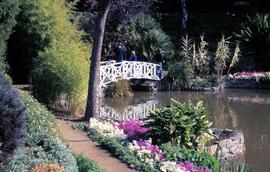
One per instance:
(94, 88)
(184, 14)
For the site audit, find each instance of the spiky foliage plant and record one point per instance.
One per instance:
(235, 58)
(255, 33)
(222, 54)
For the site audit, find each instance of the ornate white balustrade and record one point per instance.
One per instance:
(111, 71)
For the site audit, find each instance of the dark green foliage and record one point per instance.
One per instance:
(255, 32)
(120, 151)
(145, 36)
(175, 153)
(12, 119)
(8, 11)
(38, 117)
(85, 165)
(42, 148)
(181, 74)
(180, 123)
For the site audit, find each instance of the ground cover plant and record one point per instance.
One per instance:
(42, 148)
(85, 165)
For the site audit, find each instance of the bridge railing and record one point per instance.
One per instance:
(111, 71)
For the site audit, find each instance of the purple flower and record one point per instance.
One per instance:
(189, 166)
(133, 128)
(154, 149)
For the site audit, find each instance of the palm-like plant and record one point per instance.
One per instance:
(255, 33)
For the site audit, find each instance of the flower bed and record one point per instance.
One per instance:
(250, 75)
(126, 140)
(248, 80)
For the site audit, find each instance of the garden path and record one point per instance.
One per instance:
(80, 143)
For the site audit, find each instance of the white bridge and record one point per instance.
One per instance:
(111, 71)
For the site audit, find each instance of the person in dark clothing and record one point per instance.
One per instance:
(133, 56)
(120, 53)
(158, 58)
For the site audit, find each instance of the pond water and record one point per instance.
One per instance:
(245, 110)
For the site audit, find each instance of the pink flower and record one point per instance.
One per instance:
(133, 128)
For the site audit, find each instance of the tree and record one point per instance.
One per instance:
(8, 11)
(184, 14)
(93, 99)
(123, 9)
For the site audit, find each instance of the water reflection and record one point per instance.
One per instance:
(135, 111)
(247, 110)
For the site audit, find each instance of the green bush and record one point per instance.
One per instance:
(181, 74)
(145, 35)
(60, 57)
(41, 148)
(255, 33)
(38, 117)
(180, 123)
(175, 153)
(118, 89)
(85, 165)
(8, 12)
(12, 120)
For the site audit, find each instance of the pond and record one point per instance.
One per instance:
(245, 110)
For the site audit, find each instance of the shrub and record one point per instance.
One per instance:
(8, 11)
(41, 148)
(119, 88)
(38, 117)
(85, 165)
(60, 57)
(255, 33)
(181, 74)
(180, 123)
(47, 168)
(12, 119)
(175, 153)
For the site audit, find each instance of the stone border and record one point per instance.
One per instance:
(229, 144)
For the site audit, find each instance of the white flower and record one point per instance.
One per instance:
(170, 166)
(107, 129)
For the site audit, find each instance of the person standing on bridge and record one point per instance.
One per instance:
(158, 58)
(120, 53)
(133, 56)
